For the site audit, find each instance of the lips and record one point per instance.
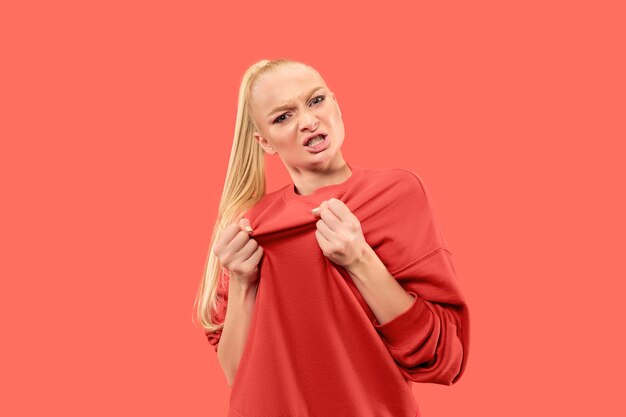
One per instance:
(312, 136)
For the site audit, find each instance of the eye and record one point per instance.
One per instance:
(279, 119)
(322, 97)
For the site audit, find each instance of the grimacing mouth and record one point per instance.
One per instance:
(306, 140)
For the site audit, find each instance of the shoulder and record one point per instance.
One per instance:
(399, 190)
(268, 201)
(396, 180)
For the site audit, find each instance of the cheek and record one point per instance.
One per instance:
(285, 138)
(335, 113)
(336, 121)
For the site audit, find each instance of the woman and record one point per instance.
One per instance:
(328, 296)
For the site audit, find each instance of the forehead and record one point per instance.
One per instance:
(285, 85)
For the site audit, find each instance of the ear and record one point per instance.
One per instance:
(264, 143)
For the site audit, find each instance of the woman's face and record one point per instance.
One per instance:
(288, 106)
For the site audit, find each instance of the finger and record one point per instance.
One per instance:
(328, 234)
(331, 220)
(255, 258)
(339, 208)
(245, 225)
(247, 250)
(240, 239)
(317, 211)
(231, 231)
(227, 236)
(238, 255)
(323, 243)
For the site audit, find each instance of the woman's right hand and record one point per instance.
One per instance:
(238, 253)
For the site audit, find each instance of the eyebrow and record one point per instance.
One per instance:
(290, 104)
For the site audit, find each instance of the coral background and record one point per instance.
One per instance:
(116, 121)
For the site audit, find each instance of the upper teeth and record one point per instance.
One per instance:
(315, 140)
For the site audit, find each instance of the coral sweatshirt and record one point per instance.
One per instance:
(314, 347)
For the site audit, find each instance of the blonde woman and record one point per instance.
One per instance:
(329, 296)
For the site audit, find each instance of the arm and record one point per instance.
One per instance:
(423, 337)
(231, 339)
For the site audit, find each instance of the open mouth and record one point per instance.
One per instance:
(316, 141)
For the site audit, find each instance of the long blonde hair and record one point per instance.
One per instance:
(244, 186)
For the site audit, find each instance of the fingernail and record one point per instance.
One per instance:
(316, 210)
(248, 229)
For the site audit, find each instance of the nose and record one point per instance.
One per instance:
(311, 123)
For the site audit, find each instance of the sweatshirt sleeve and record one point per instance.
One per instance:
(430, 340)
(218, 315)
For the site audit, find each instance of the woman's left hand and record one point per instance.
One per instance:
(339, 233)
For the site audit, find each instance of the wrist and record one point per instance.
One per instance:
(242, 285)
(364, 262)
